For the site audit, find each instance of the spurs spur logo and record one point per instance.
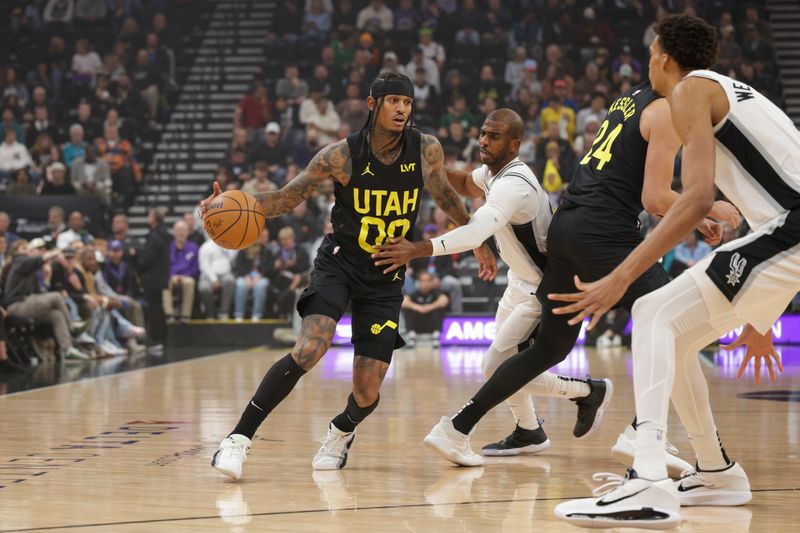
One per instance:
(737, 265)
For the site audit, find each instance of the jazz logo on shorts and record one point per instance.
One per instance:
(377, 328)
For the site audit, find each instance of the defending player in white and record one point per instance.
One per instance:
(737, 139)
(517, 213)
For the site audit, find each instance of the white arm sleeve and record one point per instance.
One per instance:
(507, 198)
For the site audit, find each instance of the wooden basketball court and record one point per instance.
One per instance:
(130, 452)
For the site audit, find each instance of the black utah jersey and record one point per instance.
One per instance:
(611, 175)
(380, 201)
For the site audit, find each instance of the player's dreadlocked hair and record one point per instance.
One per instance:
(690, 41)
(385, 84)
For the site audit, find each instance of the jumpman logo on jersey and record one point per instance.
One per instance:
(737, 265)
(377, 328)
(367, 170)
(397, 276)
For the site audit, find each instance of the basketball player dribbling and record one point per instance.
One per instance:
(378, 174)
(517, 214)
(736, 138)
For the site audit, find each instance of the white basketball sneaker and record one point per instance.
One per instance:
(625, 502)
(452, 444)
(231, 455)
(332, 455)
(625, 450)
(724, 488)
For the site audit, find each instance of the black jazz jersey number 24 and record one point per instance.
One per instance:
(611, 174)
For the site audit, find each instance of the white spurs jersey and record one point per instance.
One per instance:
(514, 195)
(757, 153)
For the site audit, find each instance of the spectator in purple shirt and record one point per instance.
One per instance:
(183, 272)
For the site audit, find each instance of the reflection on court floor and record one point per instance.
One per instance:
(130, 452)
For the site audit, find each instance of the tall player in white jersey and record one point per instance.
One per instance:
(517, 213)
(734, 137)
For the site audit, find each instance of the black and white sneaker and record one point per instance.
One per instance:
(592, 407)
(625, 502)
(335, 448)
(520, 442)
(726, 487)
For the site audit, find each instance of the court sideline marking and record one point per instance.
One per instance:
(313, 511)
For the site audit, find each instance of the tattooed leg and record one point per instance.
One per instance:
(368, 376)
(316, 334)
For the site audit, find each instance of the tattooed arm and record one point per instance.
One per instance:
(333, 161)
(437, 184)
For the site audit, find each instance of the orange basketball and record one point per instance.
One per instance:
(234, 220)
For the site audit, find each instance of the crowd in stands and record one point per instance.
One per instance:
(77, 286)
(106, 295)
(83, 83)
(558, 64)
(96, 76)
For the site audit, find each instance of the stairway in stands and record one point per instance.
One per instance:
(199, 132)
(785, 21)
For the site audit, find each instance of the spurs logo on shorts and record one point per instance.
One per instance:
(737, 265)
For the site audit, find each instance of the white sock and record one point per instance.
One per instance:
(651, 442)
(670, 325)
(653, 349)
(691, 401)
(690, 398)
(549, 384)
(522, 408)
(709, 451)
(521, 403)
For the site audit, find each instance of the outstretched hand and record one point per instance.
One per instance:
(594, 299)
(205, 203)
(759, 347)
(395, 254)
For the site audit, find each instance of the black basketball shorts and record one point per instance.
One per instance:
(341, 277)
(588, 243)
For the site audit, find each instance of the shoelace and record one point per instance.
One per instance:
(240, 449)
(328, 443)
(612, 482)
(693, 473)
